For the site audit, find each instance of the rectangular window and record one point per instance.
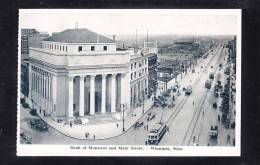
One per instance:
(92, 48)
(105, 48)
(131, 76)
(80, 48)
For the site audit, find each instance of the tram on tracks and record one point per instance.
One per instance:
(156, 133)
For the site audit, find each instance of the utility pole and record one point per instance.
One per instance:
(136, 38)
(143, 102)
(123, 107)
(147, 35)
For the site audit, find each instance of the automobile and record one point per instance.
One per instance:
(25, 105)
(138, 124)
(213, 131)
(156, 104)
(208, 84)
(33, 112)
(22, 100)
(232, 125)
(150, 116)
(164, 104)
(25, 139)
(215, 105)
(216, 93)
(84, 121)
(77, 121)
(38, 124)
(211, 75)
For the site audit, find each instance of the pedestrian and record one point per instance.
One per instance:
(44, 113)
(218, 118)
(203, 113)
(70, 124)
(193, 103)
(86, 135)
(94, 136)
(208, 144)
(194, 139)
(146, 142)
(116, 125)
(228, 138)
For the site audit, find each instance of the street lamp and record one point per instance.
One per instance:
(143, 102)
(123, 107)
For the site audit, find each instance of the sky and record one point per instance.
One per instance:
(120, 22)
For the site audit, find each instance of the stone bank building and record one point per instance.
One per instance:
(79, 73)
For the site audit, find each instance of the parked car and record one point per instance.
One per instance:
(33, 112)
(25, 139)
(38, 124)
(211, 75)
(138, 124)
(25, 105)
(22, 100)
(77, 121)
(150, 116)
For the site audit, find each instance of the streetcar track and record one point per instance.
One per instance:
(198, 109)
(184, 100)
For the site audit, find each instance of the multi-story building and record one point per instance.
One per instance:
(29, 38)
(77, 72)
(139, 78)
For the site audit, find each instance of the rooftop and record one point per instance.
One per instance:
(78, 36)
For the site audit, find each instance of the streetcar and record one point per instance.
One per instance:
(208, 84)
(156, 133)
(188, 90)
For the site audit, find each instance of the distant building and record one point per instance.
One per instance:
(152, 66)
(29, 38)
(172, 65)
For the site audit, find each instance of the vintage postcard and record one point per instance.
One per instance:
(124, 82)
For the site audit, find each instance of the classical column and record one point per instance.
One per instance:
(70, 97)
(81, 96)
(40, 90)
(53, 91)
(30, 83)
(123, 88)
(92, 94)
(33, 85)
(103, 103)
(113, 93)
(36, 87)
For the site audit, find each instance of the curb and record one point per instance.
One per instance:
(97, 139)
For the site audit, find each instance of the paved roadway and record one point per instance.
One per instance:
(179, 125)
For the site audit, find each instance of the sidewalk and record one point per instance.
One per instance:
(102, 130)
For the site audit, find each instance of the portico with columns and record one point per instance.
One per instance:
(95, 94)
